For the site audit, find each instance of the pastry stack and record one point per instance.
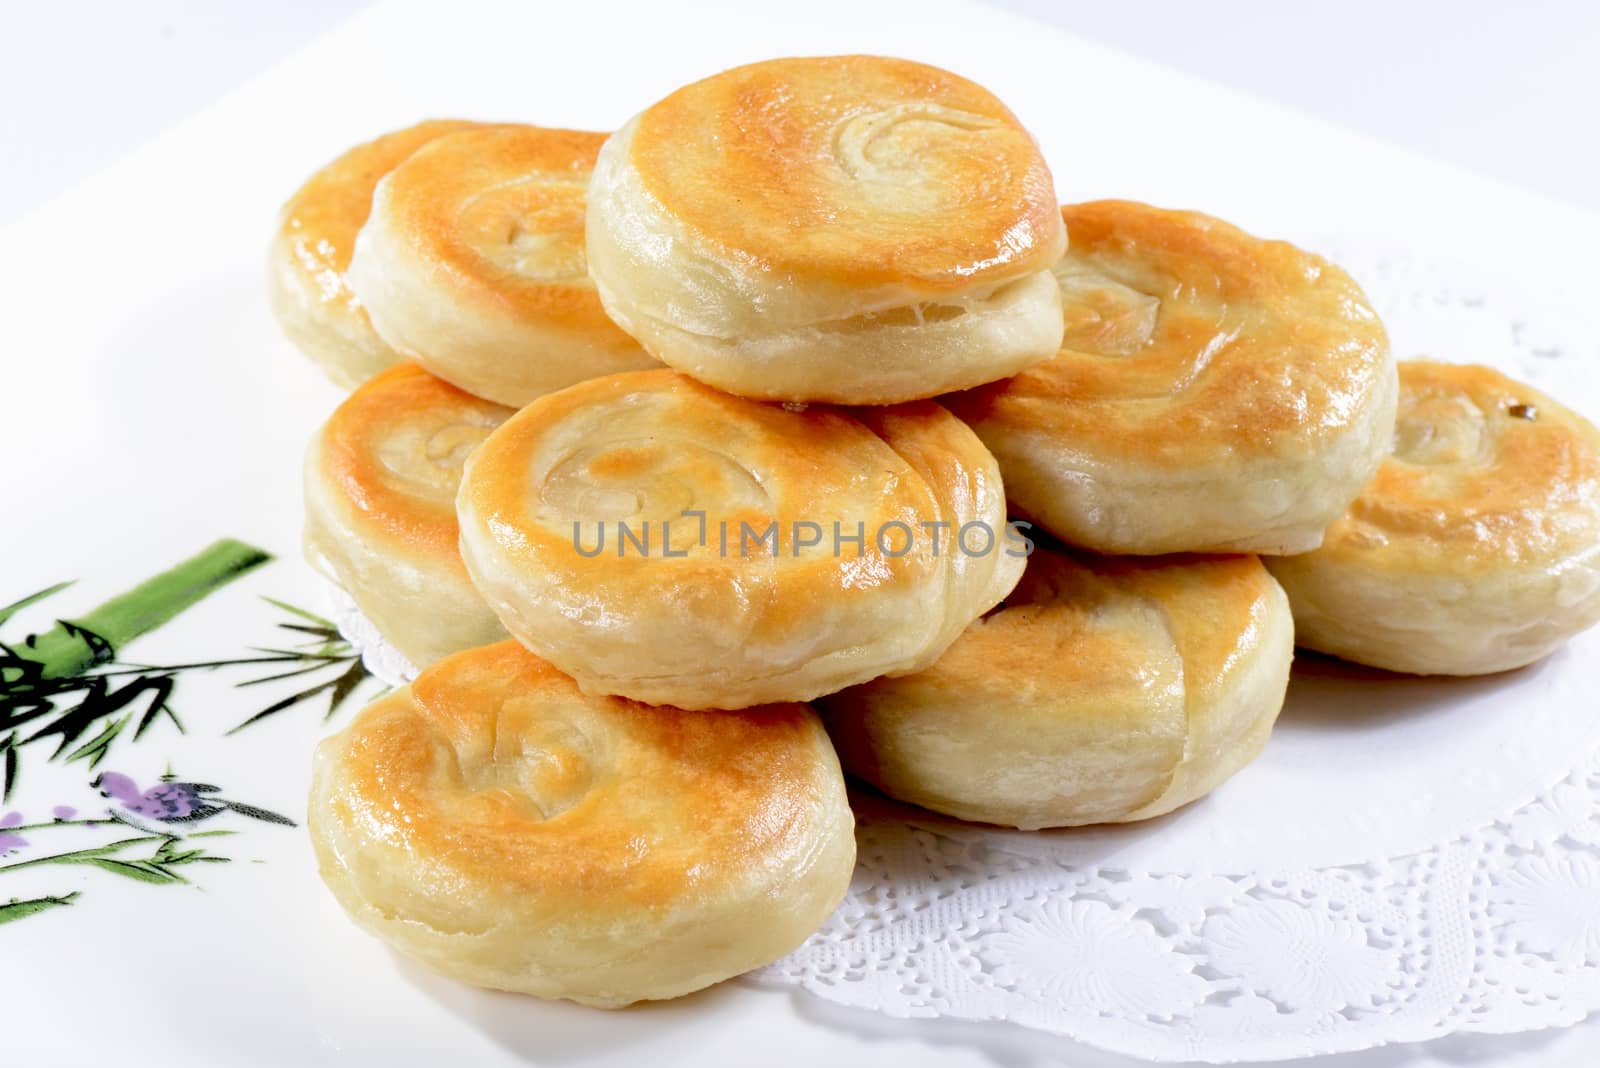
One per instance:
(796, 426)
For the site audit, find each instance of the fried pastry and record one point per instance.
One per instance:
(380, 486)
(1105, 690)
(507, 830)
(311, 297)
(1475, 549)
(1214, 392)
(658, 539)
(472, 264)
(849, 228)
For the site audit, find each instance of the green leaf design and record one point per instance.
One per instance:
(339, 688)
(142, 870)
(281, 675)
(327, 634)
(33, 598)
(345, 685)
(112, 857)
(159, 706)
(21, 910)
(8, 766)
(78, 856)
(169, 857)
(95, 749)
(280, 705)
(311, 617)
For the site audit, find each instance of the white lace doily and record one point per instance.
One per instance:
(1409, 858)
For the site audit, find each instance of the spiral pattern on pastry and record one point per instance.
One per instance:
(1104, 690)
(505, 829)
(852, 229)
(380, 486)
(472, 263)
(306, 282)
(1475, 549)
(729, 605)
(1214, 392)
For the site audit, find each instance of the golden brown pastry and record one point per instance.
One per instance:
(851, 228)
(1477, 546)
(380, 486)
(306, 282)
(1105, 690)
(505, 829)
(1215, 392)
(472, 264)
(657, 539)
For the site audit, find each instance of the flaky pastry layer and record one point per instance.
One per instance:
(851, 229)
(380, 484)
(310, 294)
(1476, 548)
(507, 830)
(1104, 690)
(1214, 392)
(724, 604)
(472, 263)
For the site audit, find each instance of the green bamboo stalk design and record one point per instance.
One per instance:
(73, 646)
(68, 684)
(64, 685)
(41, 673)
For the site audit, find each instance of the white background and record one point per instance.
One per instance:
(1505, 90)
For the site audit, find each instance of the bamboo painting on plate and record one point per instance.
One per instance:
(72, 694)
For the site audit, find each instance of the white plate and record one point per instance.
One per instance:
(148, 406)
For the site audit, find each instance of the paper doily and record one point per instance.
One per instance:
(1381, 875)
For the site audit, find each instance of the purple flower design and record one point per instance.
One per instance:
(9, 841)
(176, 802)
(63, 812)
